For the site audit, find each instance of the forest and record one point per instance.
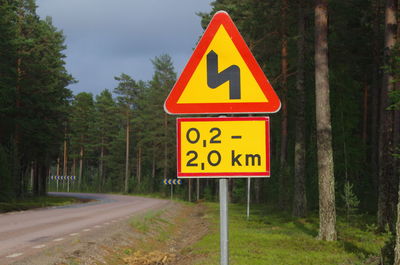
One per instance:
(335, 143)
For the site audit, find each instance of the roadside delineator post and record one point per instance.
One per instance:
(172, 182)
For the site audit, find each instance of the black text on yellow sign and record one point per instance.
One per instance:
(223, 147)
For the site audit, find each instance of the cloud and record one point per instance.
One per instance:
(105, 38)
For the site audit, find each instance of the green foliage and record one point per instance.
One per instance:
(33, 93)
(350, 199)
(6, 181)
(394, 97)
(387, 251)
(272, 237)
(98, 127)
(36, 202)
(208, 194)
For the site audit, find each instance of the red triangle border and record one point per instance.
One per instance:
(171, 105)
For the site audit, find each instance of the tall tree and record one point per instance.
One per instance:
(106, 125)
(127, 91)
(299, 196)
(283, 198)
(82, 121)
(387, 177)
(327, 209)
(163, 80)
(33, 92)
(395, 106)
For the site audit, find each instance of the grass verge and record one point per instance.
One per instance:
(37, 202)
(276, 238)
(143, 223)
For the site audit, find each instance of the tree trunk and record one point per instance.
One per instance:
(153, 166)
(101, 166)
(257, 189)
(139, 165)
(35, 182)
(58, 166)
(127, 155)
(165, 146)
(231, 187)
(283, 180)
(32, 174)
(299, 196)
(326, 180)
(41, 179)
(81, 153)
(375, 94)
(365, 116)
(17, 172)
(387, 194)
(397, 246)
(65, 164)
(74, 166)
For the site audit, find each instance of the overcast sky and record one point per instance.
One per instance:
(105, 38)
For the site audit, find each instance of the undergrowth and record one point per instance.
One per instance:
(271, 237)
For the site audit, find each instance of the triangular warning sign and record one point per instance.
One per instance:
(222, 76)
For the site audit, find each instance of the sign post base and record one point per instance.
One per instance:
(223, 210)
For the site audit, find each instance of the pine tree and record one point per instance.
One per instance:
(327, 209)
(127, 90)
(163, 80)
(106, 126)
(82, 124)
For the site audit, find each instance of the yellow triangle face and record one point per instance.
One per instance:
(197, 89)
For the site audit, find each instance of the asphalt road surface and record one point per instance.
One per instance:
(28, 232)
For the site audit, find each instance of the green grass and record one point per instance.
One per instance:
(277, 238)
(145, 222)
(36, 202)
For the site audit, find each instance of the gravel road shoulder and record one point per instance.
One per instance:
(166, 239)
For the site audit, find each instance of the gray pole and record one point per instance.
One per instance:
(223, 211)
(172, 192)
(57, 185)
(68, 184)
(248, 198)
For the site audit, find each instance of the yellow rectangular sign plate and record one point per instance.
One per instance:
(223, 147)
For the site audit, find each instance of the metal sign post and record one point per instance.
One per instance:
(248, 198)
(223, 212)
(222, 147)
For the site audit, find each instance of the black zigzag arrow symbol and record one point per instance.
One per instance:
(231, 74)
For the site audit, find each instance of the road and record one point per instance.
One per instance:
(28, 232)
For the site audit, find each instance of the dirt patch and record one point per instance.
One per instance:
(155, 257)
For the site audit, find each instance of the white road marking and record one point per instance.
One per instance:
(107, 223)
(97, 226)
(39, 246)
(58, 239)
(86, 230)
(74, 234)
(14, 255)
